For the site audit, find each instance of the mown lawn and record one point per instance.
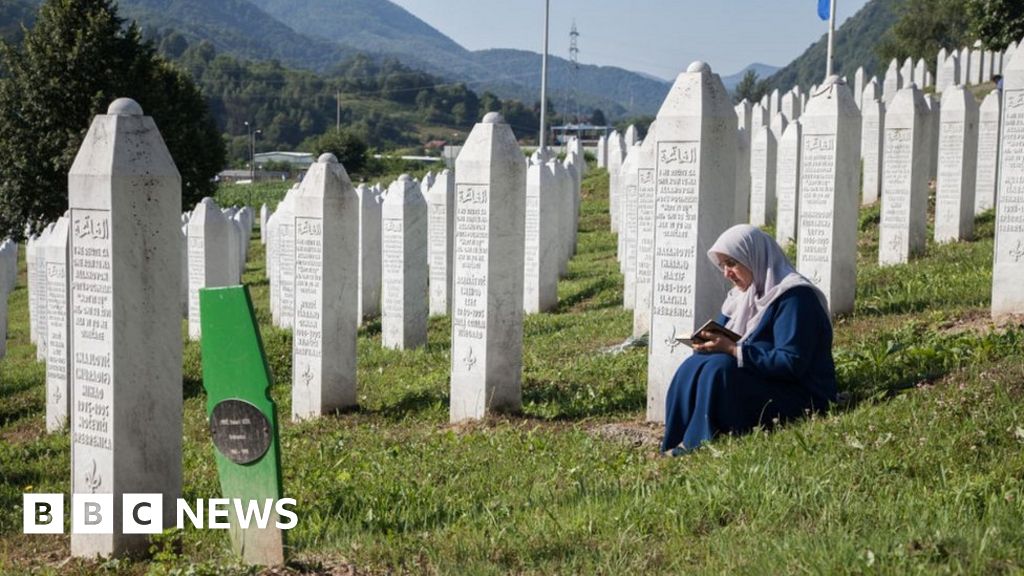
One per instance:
(920, 470)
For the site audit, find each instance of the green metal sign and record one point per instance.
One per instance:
(243, 418)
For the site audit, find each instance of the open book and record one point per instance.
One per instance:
(712, 327)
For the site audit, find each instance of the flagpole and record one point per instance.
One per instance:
(831, 33)
(542, 142)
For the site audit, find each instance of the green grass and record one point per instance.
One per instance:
(921, 472)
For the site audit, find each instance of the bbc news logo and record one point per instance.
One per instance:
(143, 513)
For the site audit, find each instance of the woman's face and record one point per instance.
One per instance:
(740, 276)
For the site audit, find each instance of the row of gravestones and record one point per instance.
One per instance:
(405, 247)
(970, 66)
(217, 262)
(818, 173)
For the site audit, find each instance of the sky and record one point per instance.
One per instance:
(657, 37)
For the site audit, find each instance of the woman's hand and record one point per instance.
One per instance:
(715, 343)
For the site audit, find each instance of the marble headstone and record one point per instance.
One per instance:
(1008, 260)
(403, 247)
(958, 155)
(210, 258)
(694, 203)
(829, 199)
(987, 177)
(440, 233)
(124, 194)
(787, 184)
(326, 281)
(58, 393)
(487, 297)
(902, 228)
(369, 253)
(872, 131)
(542, 241)
(646, 164)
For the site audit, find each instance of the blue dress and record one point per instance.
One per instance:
(787, 370)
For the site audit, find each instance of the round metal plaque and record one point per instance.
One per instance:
(240, 431)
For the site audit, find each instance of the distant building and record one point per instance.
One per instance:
(587, 133)
(298, 160)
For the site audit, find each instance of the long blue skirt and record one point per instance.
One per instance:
(711, 394)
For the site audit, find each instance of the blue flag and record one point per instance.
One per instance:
(823, 9)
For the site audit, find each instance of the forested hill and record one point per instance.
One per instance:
(855, 44)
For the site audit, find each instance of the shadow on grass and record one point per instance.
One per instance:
(558, 401)
(414, 402)
(586, 293)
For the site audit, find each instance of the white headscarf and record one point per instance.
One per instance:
(773, 276)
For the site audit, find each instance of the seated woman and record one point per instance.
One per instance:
(780, 368)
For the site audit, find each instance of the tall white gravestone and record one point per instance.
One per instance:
(871, 151)
(209, 257)
(958, 152)
(1008, 260)
(989, 120)
(326, 282)
(829, 198)
(892, 84)
(487, 305)
(901, 231)
(369, 253)
(404, 274)
(762, 177)
(646, 164)
(440, 233)
(787, 184)
(58, 393)
(126, 422)
(628, 225)
(694, 204)
(541, 236)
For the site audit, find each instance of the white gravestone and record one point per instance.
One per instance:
(628, 224)
(871, 150)
(602, 152)
(265, 213)
(893, 82)
(907, 72)
(8, 266)
(858, 85)
(965, 66)
(38, 282)
(829, 198)
(762, 177)
(369, 253)
(958, 152)
(950, 73)
(440, 233)
(942, 79)
(58, 393)
(872, 91)
(566, 210)
(787, 184)
(744, 115)
(616, 154)
(976, 72)
(487, 304)
(694, 203)
(403, 245)
(183, 239)
(989, 120)
(1008, 260)
(284, 260)
(124, 194)
(920, 72)
(902, 229)
(209, 257)
(326, 282)
(541, 236)
(645, 232)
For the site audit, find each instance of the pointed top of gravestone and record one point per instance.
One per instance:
(124, 107)
(327, 158)
(698, 66)
(405, 178)
(493, 118)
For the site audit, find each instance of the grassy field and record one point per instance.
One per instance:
(920, 471)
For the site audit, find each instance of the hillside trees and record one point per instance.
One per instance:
(347, 147)
(77, 59)
(750, 88)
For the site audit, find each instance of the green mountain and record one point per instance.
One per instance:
(854, 46)
(235, 27)
(382, 27)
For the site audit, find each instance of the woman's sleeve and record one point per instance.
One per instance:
(796, 330)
